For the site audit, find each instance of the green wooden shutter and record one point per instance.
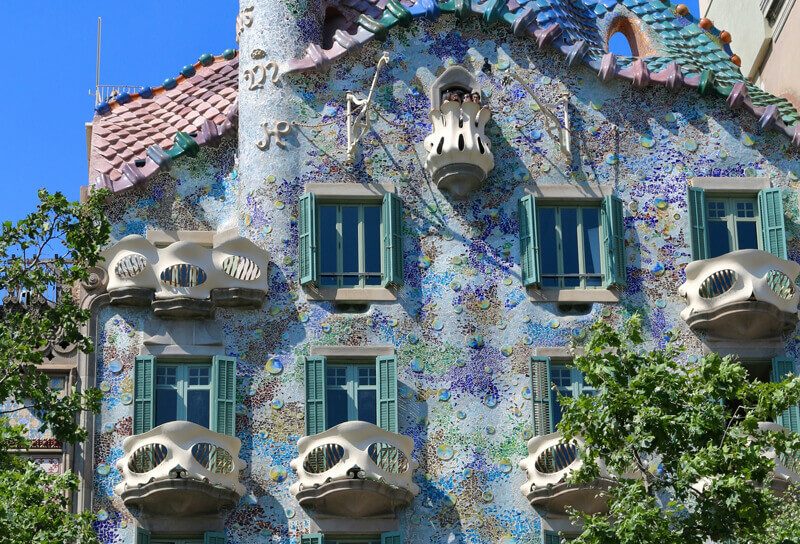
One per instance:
(214, 538)
(144, 393)
(142, 536)
(528, 241)
(223, 388)
(315, 395)
(540, 393)
(316, 538)
(697, 223)
(386, 370)
(393, 537)
(392, 218)
(614, 242)
(307, 235)
(551, 537)
(773, 229)
(790, 418)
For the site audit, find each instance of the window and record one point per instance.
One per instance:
(548, 381)
(572, 245)
(775, 371)
(350, 244)
(203, 393)
(723, 223)
(338, 391)
(383, 538)
(143, 537)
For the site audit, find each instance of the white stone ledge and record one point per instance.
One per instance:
(561, 191)
(730, 184)
(351, 352)
(349, 191)
(354, 295)
(554, 294)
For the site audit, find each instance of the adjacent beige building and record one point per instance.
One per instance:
(766, 36)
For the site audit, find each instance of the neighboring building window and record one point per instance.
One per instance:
(337, 392)
(204, 394)
(569, 245)
(143, 537)
(350, 244)
(572, 245)
(549, 381)
(720, 224)
(383, 538)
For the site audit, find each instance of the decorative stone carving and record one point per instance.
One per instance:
(180, 469)
(549, 463)
(187, 279)
(742, 295)
(355, 469)
(459, 155)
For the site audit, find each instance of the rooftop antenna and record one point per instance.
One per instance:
(103, 93)
(97, 62)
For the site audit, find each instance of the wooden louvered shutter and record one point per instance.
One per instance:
(307, 235)
(316, 538)
(392, 218)
(773, 229)
(391, 538)
(540, 393)
(144, 393)
(551, 537)
(613, 241)
(697, 223)
(528, 241)
(790, 418)
(214, 538)
(314, 368)
(142, 536)
(386, 371)
(223, 387)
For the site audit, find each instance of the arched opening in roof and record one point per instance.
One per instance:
(625, 38)
(334, 20)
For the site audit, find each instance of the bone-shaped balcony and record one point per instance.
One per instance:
(549, 463)
(787, 467)
(355, 469)
(187, 279)
(180, 469)
(742, 295)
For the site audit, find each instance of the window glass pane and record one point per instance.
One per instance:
(548, 248)
(367, 410)
(745, 209)
(336, 376)
(716, 209)
(372, 244)
(336, 407)
(366, 375)
(166, 405)
(166, 375)
(591, 244)
(350, 244)
(197, 406)
(327, 244)
(746, 235)
(718, 239)
(199, 376)
(569, 244)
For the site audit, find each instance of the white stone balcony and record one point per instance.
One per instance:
(187, 279)
(355, 470)
(742, 295)
(787, 469)
(549, 463)
(180, 469)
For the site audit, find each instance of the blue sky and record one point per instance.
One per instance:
(50, 69)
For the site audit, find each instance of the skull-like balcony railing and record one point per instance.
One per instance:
(187, 279)
(355, 469)
(742, 295)
(459, 155)
(180, 469)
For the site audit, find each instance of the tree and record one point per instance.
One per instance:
(41, 258)
(687, 435)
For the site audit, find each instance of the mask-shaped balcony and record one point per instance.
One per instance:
(742, 295)
(459, 155)
(180, 469)
(186, 279)
(355, 469)
(549, 463)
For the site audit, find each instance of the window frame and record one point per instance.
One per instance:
(182, 385)
(576, 388)
(560, 277)
(340, 274)
(352, 387)
(730, 200)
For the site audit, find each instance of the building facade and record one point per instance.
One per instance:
(350, 258)
(766, 36)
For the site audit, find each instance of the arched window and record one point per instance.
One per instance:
(619, 45)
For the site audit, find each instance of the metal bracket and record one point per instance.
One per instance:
(561, 135)
(358, 121)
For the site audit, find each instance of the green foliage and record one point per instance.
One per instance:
(686, 438)
(41, 258)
